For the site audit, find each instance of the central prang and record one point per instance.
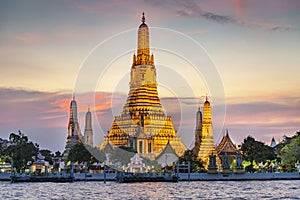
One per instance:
(143, 124)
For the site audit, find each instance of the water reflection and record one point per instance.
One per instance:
(181, 190)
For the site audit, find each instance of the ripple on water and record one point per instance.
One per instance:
(182, 190)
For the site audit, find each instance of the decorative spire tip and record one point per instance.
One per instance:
(143, 18)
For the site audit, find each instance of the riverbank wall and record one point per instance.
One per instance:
(189, 177)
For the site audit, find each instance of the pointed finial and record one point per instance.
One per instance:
(88, 108)
(206, 97)
(143, 18)
(73, 96)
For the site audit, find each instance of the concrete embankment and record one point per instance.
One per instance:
(238, 177)
(4, 176)
(191, 177)
(95, 177)
(204, 176)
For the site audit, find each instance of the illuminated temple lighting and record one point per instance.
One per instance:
(143, 124)
(207, 144)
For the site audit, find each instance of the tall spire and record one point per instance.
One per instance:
(198, 131)
(74, 134)
(142, 59)
(207, 145)
(143, 50)
(73, 128)
(88, 131)
(207, 121)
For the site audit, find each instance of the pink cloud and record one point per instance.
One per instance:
(48, 111)
(30, 38)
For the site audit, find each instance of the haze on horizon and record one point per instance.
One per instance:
(254, 46)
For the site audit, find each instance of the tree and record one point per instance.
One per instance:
(257, 151)
(21, 151)
(195, 164)
(58, 154)
(80, 154)
(48, 155)
(290, 153)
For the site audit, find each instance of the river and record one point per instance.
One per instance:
(180, 190)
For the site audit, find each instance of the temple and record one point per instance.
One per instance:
(142, 123)
(227, 153)
(74, 133)
(207, 145)
(214, 158)
(198, 132)
(88, 131)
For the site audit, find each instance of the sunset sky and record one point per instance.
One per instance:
(248, 53)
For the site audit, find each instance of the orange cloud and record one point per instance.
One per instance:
(60, 105)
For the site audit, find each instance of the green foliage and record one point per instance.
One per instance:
(48, 155)
(21, 151)
(57, 154)
(196, 164)
(79, 153)
(290, 153)
(253, 150)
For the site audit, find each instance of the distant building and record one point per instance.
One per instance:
(198, 131)
(226, 146)
(136, 165)
(167, 156)
(273, 143)
(207, 144)
(74, 133)
(88, 130)
(227, 152)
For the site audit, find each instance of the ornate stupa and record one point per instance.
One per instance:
(74, 133)
(143, 124)
(198, 132)
(207, 144)
(88, 130)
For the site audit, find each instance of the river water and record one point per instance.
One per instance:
(180, 190)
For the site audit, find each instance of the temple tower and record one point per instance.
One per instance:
(207, 144)
(74, 133)
(143, 124)
(273, 143)
(88, 130)
(198, 132)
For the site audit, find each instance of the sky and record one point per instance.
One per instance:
(243, 54)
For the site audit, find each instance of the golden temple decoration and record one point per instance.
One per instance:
(143, 124)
